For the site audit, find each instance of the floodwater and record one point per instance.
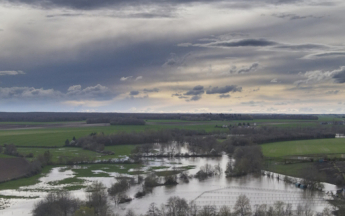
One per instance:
(217, 190)
(340, 136)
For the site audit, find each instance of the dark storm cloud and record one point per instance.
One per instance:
(317, 76)
(224, 96)
(253, 103)
(326, 54)
(333, 92)
(302, 47)
(97, 92)
(253, 67)
(262, 43)
(151, 90)
(240, 43)
(295, 16)
(161, 13)
(28, 93)
(191, 95)
(133, 93)
(93, 4)
(224, 90)
(175, 60)
(339, 76)
(197, 90)
(195, 98)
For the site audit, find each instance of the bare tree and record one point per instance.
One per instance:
(224, 211)
(153, 210)
(260, 210)
(130, 212)
(279, 208)
(208, 210)
(97, 199)
(242, 206)
(177, 206)
(59, 203)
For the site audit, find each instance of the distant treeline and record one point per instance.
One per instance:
(117, 121)
(66, 116)
(285, 116)
(96, 142)
(260, 135)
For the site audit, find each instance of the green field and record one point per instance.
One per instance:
(40, 123)
(304, 147)
(294, 170)
(120, 150)
(57, 136)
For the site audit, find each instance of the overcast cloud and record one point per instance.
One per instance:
(282, 56)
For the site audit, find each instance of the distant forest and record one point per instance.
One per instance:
(108, 117)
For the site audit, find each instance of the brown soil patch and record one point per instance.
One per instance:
(12, 168)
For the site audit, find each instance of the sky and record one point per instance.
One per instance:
(172, 56)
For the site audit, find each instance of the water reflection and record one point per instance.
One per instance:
(220, 190)
(217, 190)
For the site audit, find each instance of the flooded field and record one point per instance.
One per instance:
(217, 190)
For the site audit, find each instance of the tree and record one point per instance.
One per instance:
(260, 210)
(279, 208)
(153, 210)
(10, 149)
(208, 210)
(130, 212)
(177, 206)
(327, 212)
(59, 203)
(117, 190)
(242, 206)
(97, 199)
(48, 157)
(224, 211)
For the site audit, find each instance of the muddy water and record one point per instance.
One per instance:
(220, 190)
(217, 190)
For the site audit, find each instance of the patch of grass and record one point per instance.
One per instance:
(74, 187)
(18, 197)
(6, 156)
(168, 172)
(15, 184)
(159, 167)
(294, 170)
(68, 181)
(304, 147)
(87, 170)
(119, 150)
(188, 167)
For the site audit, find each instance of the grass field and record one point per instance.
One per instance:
(120, 150)
(57, 136)
(304, 147)
(294, 170)
(40, 123)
